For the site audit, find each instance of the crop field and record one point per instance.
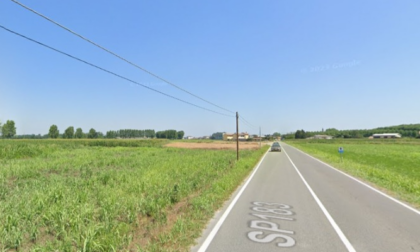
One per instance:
(112, 195)
(390, 164)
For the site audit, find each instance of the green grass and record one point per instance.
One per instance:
(390, 164)
(111, 195)
(25, 148)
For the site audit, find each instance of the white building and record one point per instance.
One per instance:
(242, 136)
(387, 135)
(322, 137)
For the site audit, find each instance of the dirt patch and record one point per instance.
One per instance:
(148, 230)
(215, 145)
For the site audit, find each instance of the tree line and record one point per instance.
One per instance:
(8, 130)
(69, 133)
(148, 133)
(131, 133)
(405, 130)
(170, 134)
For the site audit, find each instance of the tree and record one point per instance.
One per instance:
(69, 132)
(161, 134)
(79, 133)
(276, 135)
(217, 136)
(8, 130)
(289, 136)
(180, 134)
(170, 134)
(355, 134)
(332, 132)
(268, 137)
(300, 134)
(111, 134)
(53, 132)
(99, 134)
(92, 133)
(150, 133)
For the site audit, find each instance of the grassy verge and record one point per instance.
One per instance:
(136, 196)
(391, 164)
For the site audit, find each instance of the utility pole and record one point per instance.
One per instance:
(260, 137)
(237, 137)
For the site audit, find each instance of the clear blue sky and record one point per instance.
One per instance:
(283, 65)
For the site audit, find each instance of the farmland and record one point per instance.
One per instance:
(392, 165)
(111, 195)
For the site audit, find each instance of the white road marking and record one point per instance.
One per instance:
(216, 228)
(363, 183)
(337, 229)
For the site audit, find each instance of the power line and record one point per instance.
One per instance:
(243, 119)
(247, 123)
(118, 56)
(110, 72)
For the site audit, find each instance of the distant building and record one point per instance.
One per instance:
(387, 135)
(322, 137)
(217, 136)
(242, 136)
(189, 137)
(256, 138)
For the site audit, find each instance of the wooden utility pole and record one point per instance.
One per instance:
(237, 137)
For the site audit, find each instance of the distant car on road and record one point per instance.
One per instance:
(275, 147)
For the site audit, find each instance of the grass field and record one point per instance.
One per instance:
(390, 164)
(111, 195)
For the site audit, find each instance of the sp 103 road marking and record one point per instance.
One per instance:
(268, 211)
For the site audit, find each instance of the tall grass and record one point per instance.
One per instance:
(82, 196)
(25, 148)
(391, 164)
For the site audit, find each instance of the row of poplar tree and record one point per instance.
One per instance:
(123, 133)
(148, 133)
(70, 133)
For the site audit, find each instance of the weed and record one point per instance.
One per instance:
(90, 195)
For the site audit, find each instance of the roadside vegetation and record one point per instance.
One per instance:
(390, 164)
(112, 195)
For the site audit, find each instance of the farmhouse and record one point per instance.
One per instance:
(387, 135)
(321, 137)
(242, 136)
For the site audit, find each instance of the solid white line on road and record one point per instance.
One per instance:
(324, 210)
(368, 186)
(216, 228)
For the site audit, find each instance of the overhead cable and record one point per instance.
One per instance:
(118, 56)
(110, 72)
(247, 123)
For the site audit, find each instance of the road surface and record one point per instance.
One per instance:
(293, 202)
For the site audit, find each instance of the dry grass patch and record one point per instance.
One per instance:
(215, 145)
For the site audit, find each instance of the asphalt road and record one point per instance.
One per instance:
(293, 202)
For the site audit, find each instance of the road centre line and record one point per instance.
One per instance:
(337, 229)
(216, 228)
(363, 183)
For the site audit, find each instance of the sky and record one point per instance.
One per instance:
(282, 65)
